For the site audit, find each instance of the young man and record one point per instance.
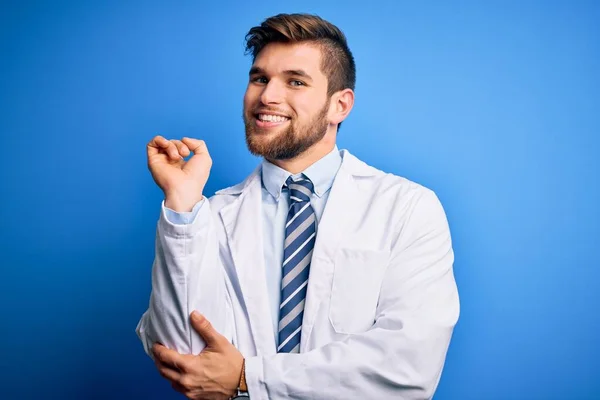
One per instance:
(322, 277)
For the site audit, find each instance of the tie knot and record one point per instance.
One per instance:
(300, 190)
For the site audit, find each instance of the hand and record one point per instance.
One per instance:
(213, 374)
(182, 182)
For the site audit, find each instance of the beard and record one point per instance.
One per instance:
(289, 143)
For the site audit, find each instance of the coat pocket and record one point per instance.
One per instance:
(357, 279)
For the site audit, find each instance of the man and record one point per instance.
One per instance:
(318, 277)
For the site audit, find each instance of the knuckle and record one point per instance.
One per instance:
(206, 325)
(186, 382)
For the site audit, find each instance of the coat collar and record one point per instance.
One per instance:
(350, 164)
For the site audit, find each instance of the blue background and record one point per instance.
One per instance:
(494, 106)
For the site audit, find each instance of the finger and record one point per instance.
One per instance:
(154, 146)
(159, 142)
(205, 329)
(182, 148)
(201, 160)
(172, 151)
(165, 146)
(167, 372)
(178, 387)
(170, 358)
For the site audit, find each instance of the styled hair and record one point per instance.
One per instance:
(337, 62)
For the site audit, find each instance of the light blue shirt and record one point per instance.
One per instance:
(275, 205)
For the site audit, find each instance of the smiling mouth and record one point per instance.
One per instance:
(271, 118)
(267, 121)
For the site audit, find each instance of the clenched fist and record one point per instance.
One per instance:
(181, 181)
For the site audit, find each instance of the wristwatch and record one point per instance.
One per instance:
(242, 386)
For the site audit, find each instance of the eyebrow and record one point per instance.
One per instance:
(294, 72)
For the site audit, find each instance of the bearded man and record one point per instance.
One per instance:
(318, 276)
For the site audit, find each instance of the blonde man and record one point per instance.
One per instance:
(317, 277)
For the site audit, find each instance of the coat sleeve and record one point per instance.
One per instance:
(402, 355)
(187, 275)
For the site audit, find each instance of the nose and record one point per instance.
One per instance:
(272, 93)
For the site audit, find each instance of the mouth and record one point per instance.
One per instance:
(266, 121)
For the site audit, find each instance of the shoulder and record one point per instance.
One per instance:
(382, 183)
(404, 201)
(227, 195)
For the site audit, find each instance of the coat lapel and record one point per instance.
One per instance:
(338, 220)
(242, 220)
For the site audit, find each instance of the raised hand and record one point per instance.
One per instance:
(181, 181)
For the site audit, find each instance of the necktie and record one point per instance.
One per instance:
(300, 235)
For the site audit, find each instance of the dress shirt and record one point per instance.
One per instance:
(275, 202)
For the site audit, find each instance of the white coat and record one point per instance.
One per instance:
(381, 302)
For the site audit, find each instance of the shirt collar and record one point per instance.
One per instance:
(322, 173)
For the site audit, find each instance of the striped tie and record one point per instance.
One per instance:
(300, 234)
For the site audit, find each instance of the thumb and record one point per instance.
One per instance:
(197, 146)
(200, 162)
(205, 329)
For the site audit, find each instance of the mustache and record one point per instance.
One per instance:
(267, 110)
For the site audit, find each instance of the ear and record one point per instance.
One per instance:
(341, 105)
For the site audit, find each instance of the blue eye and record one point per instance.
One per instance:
(259, 79)
(296, 83)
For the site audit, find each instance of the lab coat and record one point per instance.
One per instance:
(381, 302)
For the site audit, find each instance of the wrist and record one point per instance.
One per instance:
(179, 203)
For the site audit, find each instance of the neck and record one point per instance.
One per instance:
(309, 157)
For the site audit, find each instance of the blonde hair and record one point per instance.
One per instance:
(337, 62)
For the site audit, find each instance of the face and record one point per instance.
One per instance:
(286, 103)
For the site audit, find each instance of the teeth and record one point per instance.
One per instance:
(271, 118)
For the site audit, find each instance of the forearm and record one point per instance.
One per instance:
(380, 363)
(186, 276)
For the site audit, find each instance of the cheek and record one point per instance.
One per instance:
(249, 98)
(309, 107)
(302, 109)
(306, 114)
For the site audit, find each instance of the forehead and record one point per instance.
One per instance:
(278, 57)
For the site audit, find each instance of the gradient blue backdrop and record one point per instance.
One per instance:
(495, 107)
